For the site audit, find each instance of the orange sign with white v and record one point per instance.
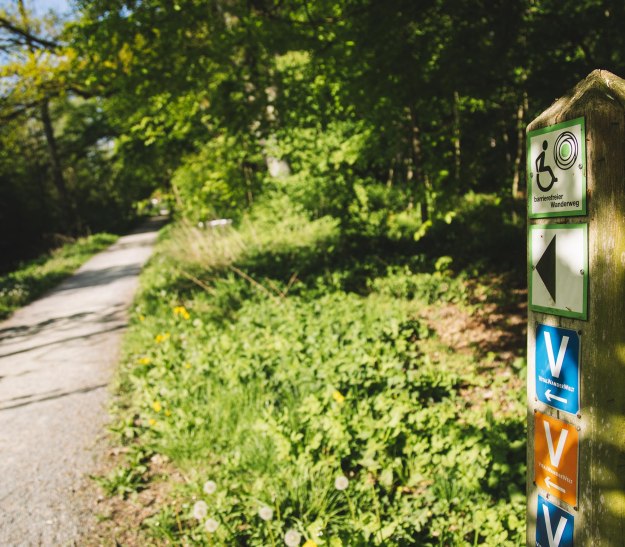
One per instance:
(556, 455)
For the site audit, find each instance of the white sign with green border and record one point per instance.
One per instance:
(558, 261)
(556, 167)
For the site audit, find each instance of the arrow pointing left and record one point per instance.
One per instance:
(546, 268)
(551, 484)
(554, 397)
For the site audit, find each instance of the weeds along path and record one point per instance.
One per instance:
(56, 358)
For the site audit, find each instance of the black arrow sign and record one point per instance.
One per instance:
(546, 268)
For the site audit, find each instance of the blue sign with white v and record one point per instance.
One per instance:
(554, 526)
(557, 367)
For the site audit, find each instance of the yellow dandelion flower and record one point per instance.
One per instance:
(142, 318)
(338, 397)
(152, 422)
(182, 312)
(145, 361)
(161, 337)
(187, 365)
(309, 543)
(167, 412)
(157, 406)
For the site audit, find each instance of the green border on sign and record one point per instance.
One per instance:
(557, 311)
(530, 195)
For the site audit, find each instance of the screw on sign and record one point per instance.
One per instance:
(556, 446)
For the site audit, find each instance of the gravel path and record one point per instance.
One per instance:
(56, 360)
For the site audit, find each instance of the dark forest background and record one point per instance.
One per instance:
(403, 119)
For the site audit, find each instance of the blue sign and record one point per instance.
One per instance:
(554, 526)
(557, 367)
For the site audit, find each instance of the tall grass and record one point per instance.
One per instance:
(252, 364)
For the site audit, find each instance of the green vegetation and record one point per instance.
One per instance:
(385, 115)
(270, 362)
(370, 156)
(32, 279)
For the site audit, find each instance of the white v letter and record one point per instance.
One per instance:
(554, 541)
(555, 456)
(556, 365)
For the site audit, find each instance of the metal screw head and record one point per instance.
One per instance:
(581, 272)
(579, 166)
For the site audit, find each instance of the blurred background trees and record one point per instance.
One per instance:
(403, 119)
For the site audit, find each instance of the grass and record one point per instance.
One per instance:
(35, 277)
(268, 360)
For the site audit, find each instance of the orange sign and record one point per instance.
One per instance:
(556, 449)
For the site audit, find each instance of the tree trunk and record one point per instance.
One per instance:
(69, 220)
(417, 166)
(57, 169)
(518, 164)
(456, 138)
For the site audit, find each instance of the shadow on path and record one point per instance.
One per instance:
(56, 394)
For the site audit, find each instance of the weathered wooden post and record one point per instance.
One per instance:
(576, 324)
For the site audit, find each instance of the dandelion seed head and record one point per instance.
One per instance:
(200, 510)
(292, 538)
(211, 526)
(265, 513)
(341, 482)
(210, 487)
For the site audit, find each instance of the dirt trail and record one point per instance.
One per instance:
(56, 360)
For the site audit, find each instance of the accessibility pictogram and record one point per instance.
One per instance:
(554, 526)
(556, 447)
(565, 150)
(557, 170)
(559, 269)
(557, 367)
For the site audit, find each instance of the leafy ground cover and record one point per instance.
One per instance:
(275, 389)
(35, 277)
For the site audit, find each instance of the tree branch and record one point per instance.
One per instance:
(30, 39)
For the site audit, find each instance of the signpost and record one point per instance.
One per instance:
(559, 262)
(557, 368)
(557, 166)
(556, 447)
(554, 526)
(576, 331)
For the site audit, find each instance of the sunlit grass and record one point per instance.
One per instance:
(322, 407)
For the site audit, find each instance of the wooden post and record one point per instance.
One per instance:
(576, 350)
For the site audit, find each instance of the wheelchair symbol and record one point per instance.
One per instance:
(542, 168)
(565, 153)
